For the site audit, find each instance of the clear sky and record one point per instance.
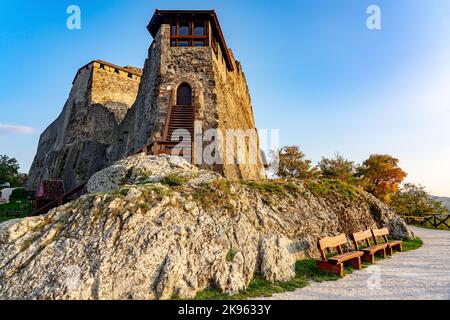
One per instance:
(315, 71)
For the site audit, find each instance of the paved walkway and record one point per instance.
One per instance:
(422, 274)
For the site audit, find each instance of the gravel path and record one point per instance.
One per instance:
(422, 274)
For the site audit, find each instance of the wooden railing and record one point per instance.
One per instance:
(434, 220)
(11, 214)
(59, 202)
(168, 117)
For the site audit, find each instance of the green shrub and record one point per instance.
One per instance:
(18, 193)
(230, 255)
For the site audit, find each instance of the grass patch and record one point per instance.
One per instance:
(305, 271)
(411, 245)
(215, 194)
(21, 205)
(266, 187)
(230, 255)
(322, 188)
(174, 181)
(278, 187)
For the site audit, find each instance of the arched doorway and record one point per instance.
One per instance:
(184, 95)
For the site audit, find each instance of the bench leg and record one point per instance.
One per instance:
(399, 248)
(326, 266)
(356, 263)
(383, 253)
(390, 251)
(369, 258)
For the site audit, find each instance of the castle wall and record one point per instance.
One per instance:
(142, 119)
(79, 143)
(114, 89)
(234, 111)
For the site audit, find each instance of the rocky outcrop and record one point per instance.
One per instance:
(154, 227)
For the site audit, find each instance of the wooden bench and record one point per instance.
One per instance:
(370, 250)
(336, 264)
(391, 245)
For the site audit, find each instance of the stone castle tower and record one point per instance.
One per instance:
(190, 78)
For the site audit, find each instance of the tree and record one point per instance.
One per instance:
(413, 200)
(292, 164)
(338, 168)
(381, 176)
(9, 171)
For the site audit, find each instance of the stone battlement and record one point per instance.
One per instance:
(128, 71)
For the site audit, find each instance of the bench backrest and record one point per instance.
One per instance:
(326, 244)
(363, 236)
(380, 233)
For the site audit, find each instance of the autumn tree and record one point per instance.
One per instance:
(292, 164)
(338, 168)
(413, 200)
(381, 176)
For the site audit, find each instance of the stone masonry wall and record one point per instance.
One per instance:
(234, 111)
(142, 119)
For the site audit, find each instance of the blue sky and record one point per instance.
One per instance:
(314, 69)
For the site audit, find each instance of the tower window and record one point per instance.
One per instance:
(199, 28)
(199, 43)
(184, 29)
(185, 33)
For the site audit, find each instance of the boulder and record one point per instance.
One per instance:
(137, 237)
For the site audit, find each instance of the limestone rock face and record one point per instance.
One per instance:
(141, 169)
(277, 263)
(136, 237)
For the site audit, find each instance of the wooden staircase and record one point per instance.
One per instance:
(180, 117)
